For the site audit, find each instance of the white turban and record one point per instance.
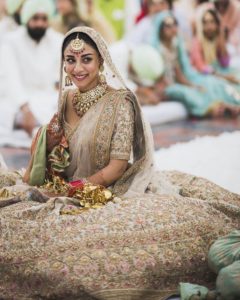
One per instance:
(32, 7)
(147, 63)
(13, 5)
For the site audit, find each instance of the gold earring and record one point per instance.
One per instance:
(102, 78)
(68, 81)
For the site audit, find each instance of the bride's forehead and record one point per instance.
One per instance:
(86, 49)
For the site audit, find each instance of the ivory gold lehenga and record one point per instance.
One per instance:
(155, 234)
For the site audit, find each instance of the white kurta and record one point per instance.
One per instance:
(7, 24)
(141, 32)
(28, 73)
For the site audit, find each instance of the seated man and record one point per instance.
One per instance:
(11, 21)
(29, 60)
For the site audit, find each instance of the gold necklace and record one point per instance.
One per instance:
(82, 102)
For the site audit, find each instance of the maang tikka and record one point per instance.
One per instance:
(77, 45)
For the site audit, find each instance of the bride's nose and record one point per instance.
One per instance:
(78, 67)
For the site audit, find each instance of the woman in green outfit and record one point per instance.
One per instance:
(202, 95)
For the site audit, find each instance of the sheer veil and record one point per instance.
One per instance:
(111, 73)
(142, 177)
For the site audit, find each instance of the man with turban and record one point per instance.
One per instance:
(29, 60)
(12, 20)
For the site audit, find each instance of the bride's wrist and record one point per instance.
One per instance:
(75, 183)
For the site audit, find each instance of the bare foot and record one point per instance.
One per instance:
(147, 96)
(231, 111)
(223, 110)
(218, 111)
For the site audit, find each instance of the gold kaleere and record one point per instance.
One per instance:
(57, 186)
(88, 196)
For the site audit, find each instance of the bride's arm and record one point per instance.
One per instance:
(111, 173)
(121, 145)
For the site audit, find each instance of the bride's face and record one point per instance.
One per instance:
(82, 68)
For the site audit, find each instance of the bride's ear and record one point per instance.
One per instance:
(101, 61)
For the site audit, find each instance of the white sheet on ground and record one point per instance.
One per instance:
(14, 138)
(164, 112)
(215, 158)
(3, 165)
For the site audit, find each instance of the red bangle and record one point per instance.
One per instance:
(76, 183)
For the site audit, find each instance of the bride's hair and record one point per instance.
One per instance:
(82, 36)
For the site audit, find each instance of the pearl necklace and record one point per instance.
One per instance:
(82, 102)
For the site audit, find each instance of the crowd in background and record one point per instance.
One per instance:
(180, 57)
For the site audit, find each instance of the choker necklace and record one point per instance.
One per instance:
(82, 102)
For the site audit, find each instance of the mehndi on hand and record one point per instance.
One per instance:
(54, 133)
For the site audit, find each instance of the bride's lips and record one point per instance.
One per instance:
(80, 77)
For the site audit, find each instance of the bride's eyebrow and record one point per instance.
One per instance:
(87, 54)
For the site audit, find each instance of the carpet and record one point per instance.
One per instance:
(183, 131)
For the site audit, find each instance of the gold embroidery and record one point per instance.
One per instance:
(103, 132)
(122, 185)
(122, 138)
(103, 136)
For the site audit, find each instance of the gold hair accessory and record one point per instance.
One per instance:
(77, 45)
(82, 102)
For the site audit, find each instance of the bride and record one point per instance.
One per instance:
(153, 235)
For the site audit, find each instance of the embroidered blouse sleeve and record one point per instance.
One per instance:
(122, 139)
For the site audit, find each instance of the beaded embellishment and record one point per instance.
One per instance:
(82, 102)
(77, 45)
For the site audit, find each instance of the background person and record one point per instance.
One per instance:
(30, 73)
(68, 16)
(209, 53)
(202, 96)
(11, 20)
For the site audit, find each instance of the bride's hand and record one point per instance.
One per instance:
(54, 133)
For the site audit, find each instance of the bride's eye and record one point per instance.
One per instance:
(87, 59)
(70, 60)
